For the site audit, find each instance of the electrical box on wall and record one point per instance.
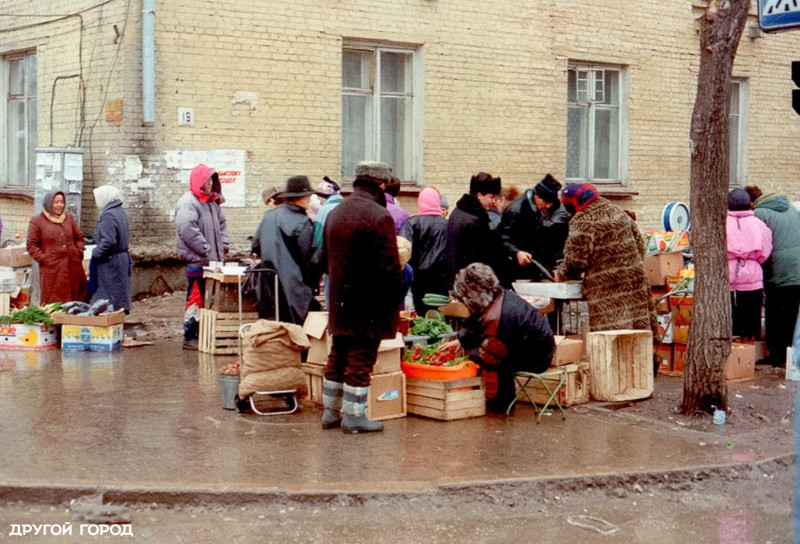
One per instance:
(186, 117)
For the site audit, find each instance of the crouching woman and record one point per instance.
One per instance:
(503, 334)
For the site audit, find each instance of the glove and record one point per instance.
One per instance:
(492, 351)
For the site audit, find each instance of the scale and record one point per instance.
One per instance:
(676, 216)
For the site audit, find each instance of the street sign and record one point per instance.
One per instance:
(777, 15)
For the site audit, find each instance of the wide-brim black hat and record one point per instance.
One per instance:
(297, 186)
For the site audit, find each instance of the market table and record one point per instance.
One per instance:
(559, 293)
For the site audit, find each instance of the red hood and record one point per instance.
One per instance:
(198, 177)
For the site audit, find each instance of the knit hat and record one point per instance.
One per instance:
(485, 184)
(738, 200)
(547, 189)
(476, 286)
(578, 196)
(378, 171)
(444, 203)
(296, 187)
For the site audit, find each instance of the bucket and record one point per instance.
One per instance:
(228, 389)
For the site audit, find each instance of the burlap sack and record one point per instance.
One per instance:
(271, 357)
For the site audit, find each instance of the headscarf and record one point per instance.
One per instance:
(200, 174)
(476, 286)
(578, 196)
(105, 194)
(429, 202)
(47, 207)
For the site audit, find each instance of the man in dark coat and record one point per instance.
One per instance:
(534, 227)
(110, 267)
(285, 242)
(469, 237)
(360, 248)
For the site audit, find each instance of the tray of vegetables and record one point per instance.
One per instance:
(431, 363)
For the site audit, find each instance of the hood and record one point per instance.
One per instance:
(429, 202)
(198, 177)
(772, 201)
(740, 213)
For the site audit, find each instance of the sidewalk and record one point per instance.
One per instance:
(146, 425)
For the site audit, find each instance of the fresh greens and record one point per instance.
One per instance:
(432, 328)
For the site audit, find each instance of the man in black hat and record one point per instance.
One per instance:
(360, 248)
(535, 227)
(285, 242)
(470, 239)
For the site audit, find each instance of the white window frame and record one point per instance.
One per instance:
(738, 157)
(593, 105)
(413, 139)
(30, 146)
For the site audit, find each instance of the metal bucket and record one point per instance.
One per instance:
(228, 389)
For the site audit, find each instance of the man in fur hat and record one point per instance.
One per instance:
(360, 249)
(535, 227)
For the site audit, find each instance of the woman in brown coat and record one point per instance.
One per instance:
(56, 242)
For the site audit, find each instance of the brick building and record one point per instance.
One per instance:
(591, 90)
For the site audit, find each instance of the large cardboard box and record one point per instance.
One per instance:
(104, 320)
(314, 372)
(741, 362)
(92, 338)
(37, 336)
(661, 265)
(568, 350)
(15, 257)
(316, 328)
(387, 396)
(390, 353)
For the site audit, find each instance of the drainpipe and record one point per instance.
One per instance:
(148, 61)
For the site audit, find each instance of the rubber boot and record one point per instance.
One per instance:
(332, 393)
(354, 410)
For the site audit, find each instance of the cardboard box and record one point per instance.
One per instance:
(390, 353)
(664, 355)
(454, 309)
(104, 320)
(314, 372)
(666, 331)
(679, 358)
(568, 350)
(316, 328)
(741, 362)
(661, 265)
(682, 307)
(87, 337)
(680, 334)
(15, 256)
(37, 337)
(660, 299)
(387, 396)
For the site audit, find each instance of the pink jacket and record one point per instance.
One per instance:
(749, 245)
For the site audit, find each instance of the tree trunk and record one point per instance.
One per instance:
(704, 386)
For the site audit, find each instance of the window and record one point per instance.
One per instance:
(737, 119)
(596, 124)
(380, 107)
(20, 119)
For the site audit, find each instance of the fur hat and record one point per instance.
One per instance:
(476, 286)
(485, 184)
(738, 200)
(378, 171)
(548, 189)
(578, 196)
(296, 187)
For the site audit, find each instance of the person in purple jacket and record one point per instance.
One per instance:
(749, 245)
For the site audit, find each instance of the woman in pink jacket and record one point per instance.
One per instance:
(749, 245)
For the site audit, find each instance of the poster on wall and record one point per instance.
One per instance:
(229, 164)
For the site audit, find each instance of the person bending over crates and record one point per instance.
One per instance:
(503, 334)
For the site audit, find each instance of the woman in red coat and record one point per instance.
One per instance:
(56, 243)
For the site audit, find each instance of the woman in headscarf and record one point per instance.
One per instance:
(56, 243)
(504, 334)
(111, 262)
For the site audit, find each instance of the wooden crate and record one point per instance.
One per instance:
(222, 294)
(5, 303)
(446, 400)
(314, 372)
(575, 390)
(219, 331)
(621, 364)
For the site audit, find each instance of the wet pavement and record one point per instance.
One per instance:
(146, 424)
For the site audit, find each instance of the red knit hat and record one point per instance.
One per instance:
(578, 196)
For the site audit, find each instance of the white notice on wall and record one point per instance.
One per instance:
(230, 165)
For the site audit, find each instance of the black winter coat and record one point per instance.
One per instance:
(470, 240)
(360, 248)
(111, 260)
(543, 235)
(428, 237)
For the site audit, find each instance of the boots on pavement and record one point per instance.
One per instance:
(354, 409)
(332, 393)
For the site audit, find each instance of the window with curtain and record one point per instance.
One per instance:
(737, 121)
(595, 124)
(21, 132)
(378, 109)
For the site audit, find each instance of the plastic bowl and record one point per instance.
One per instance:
(467, 369)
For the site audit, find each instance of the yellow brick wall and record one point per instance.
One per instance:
(494, 93)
